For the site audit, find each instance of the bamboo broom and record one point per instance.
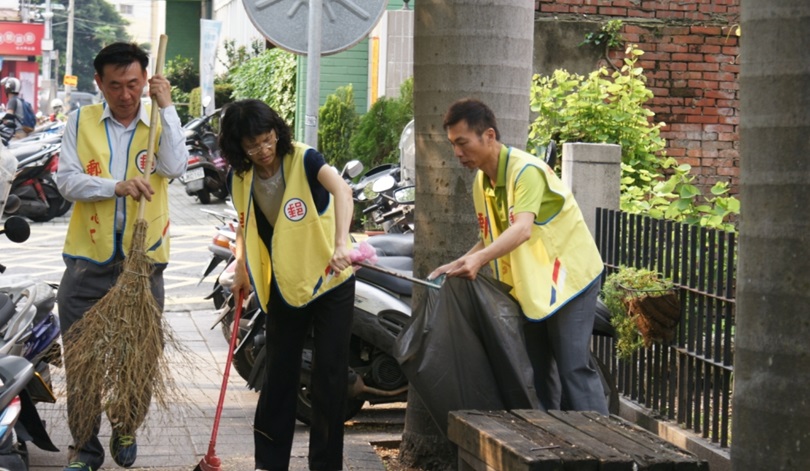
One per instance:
(116, 349)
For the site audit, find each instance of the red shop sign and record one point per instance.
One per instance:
(21, 39)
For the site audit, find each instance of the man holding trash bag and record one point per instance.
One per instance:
(534, 237)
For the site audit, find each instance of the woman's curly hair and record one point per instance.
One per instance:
(250, 119)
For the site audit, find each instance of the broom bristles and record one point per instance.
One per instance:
(114, 354)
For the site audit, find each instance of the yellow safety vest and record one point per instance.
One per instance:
(91, 232)
(559, 260)
(303, 240)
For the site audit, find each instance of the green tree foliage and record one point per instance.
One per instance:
(376, 140)
(605, 106)
(96, 24)
(608, 107)
(235, 56)
(269, 77)
(337, 120)
(182, 73)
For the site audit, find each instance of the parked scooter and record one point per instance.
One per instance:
(221, 251)
(207, 172)
(28, 341)
(34, 185)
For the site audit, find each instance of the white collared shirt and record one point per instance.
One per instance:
(76, 185)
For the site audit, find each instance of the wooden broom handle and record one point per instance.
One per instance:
(153, 122)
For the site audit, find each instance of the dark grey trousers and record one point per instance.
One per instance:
(83, 284)
(559, 349)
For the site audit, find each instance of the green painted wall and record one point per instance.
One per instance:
(183, 29)
(337, 70)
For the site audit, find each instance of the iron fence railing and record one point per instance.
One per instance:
(689, 381)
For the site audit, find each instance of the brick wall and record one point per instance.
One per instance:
(691, 63)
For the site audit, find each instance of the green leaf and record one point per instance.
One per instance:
(688, 191)
(733, 205)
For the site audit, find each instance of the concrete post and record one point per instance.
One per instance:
(593, 172)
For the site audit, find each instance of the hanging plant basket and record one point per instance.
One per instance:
(656, 313)
(645, 309)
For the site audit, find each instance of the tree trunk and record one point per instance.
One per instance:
(771, 422)
(472, 48)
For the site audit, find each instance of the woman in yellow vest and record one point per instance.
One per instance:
(293, 249)
(536, 241)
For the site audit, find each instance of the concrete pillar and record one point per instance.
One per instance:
(593, 172)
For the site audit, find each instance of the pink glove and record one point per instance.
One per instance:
(364, 252)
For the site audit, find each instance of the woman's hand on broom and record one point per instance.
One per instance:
(135, 187)
(241, 279)
(349, 257)
(341, 259)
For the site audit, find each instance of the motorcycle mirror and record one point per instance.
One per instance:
(206, 101)
(16, 229)
(405, 195)
(352, 169)
(383, 184)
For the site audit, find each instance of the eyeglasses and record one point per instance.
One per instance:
(266, 145)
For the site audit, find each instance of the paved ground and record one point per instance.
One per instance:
(177, 440)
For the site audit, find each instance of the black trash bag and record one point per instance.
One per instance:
(464, 349)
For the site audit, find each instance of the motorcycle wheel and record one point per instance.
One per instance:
(303, 409)
(204, 196)
(244, 359)
(221, 193)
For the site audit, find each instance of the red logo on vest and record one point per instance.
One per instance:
(295, 209)
(140, 161)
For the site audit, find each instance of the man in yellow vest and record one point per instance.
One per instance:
(101, 170)
(534, 237)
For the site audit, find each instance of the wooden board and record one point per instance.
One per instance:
(569, 441)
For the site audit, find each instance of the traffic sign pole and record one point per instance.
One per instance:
(313, 73)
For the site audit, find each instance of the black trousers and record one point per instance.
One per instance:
(330, 315)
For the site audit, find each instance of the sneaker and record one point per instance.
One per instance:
(77, 466)
(123, 448)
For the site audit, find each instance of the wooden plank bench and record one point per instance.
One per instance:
(556, 441)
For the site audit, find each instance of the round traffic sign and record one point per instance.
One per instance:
(285, 22)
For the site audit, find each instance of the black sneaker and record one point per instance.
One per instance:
(124, 449)
(77, 466)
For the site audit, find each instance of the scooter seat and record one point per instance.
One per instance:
(392, 283)
(392, 244)
(25, 151)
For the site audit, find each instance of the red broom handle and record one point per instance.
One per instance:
(234, 333)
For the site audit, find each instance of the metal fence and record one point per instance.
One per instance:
(689, 381)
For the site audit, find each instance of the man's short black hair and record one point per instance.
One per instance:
(479, 117)
(120, 55)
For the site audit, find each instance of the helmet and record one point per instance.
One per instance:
(11, 84)
(56, 103)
